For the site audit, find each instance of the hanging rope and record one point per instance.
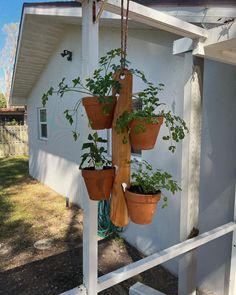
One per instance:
(124, 34)
(105, 226)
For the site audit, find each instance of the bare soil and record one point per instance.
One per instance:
(29, 212)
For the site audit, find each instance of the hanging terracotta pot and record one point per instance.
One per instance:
(100, 114)
(141, 208)
(144, 139)
(99, 182)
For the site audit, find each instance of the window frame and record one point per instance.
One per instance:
(109, 147)
(134, 156)
(40, 123)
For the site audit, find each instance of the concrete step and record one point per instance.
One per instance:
(141, 289)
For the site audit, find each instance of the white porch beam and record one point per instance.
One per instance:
(199, 14)
(157, 19)
(219, 46)
(218, 43)
(190, 175)
(90, 221)
(156, 259)
(217, 35)
(232, 273)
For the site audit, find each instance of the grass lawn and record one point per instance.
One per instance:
(30, 211)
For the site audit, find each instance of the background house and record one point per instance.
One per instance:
(47, 30)
(9, 115)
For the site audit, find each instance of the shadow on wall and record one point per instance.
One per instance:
(218, 161)
(218, 172)
(58, 173)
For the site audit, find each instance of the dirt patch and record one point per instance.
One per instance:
(29, 212)
(51, 272)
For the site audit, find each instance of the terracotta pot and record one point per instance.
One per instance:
(141, 208)
(99, 117)
(144, 140)
(99, 182)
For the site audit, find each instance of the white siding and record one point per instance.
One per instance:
(218, 173)
(55, 161)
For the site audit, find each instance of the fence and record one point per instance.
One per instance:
(13, 140)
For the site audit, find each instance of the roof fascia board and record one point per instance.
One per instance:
(46, 11)
(22, 22)
(55, 11)
(18, 101)
(157, 19)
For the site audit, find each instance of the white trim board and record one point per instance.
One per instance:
(129, 271)
(232, 272)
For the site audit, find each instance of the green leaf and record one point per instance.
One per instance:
(87, 145)
(90, 137)
(75, 135)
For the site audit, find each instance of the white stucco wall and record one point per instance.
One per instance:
(55, 161)
(218, 173)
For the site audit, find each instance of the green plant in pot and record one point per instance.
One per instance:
(144, 123)
(99, 93)
(144, 191)
(97, 173)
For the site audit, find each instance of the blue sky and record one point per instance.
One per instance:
(10, 11)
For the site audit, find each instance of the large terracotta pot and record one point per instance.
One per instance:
(99, 182)
(100, 115)
(141, 208)
(144, 139)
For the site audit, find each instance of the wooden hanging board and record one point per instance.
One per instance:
(121, 153)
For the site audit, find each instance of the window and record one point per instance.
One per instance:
(136, 104)
(43, 128)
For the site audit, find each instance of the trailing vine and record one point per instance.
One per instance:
(101, 84)
(150, 111)
(145, 180)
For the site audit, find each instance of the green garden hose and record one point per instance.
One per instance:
(105, 226)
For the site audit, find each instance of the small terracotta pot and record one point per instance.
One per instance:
(99, 118)
(99, 182)
(141, 208)
(146, 139)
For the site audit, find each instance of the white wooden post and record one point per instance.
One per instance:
(89, 63)
(232, 274)
(190, 169)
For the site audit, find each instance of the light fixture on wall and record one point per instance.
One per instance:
(67, 53)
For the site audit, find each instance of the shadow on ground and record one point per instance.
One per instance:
(51, 275)
(28, 271)
(59, 273)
